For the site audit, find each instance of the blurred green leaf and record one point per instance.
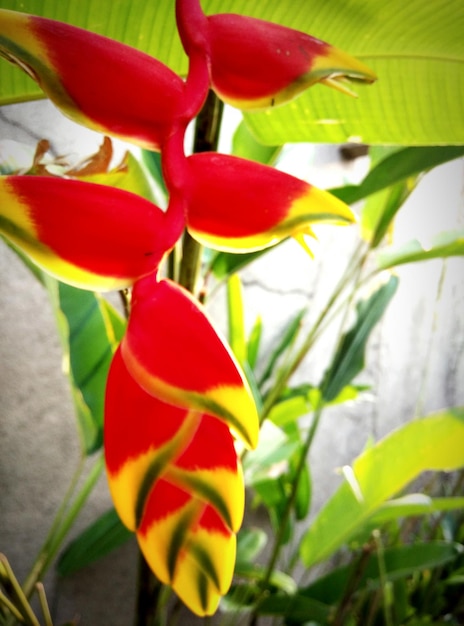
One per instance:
(256, 572)
(250, 542)
(349, 358)
(296, 608)
(289, 410)
(446, 244)
(435, 443)
(129, 177)
(254, 341)
(90, 330)
(396, 167)
(400, 562)
(245, 145)
(412, 505)
(288, 339)
(380, 208)
(152, 161)
(236, 318)
(303, 494)
(99, 539)
(224, 264)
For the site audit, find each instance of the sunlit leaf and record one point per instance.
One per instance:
(236, 321)
(416, 50)
(400, 165)
(446, 244)
(435, 442)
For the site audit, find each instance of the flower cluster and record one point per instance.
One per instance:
(176, 398)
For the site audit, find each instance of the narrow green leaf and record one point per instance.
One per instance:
(446, 244)
(152, 161)
(286, 342)
(296, 609)
(289, 410)
(90, 330)
(435, 442)
(349, 358)
(246, 146)
(412, 505)
(254, 341)
(99, 539)
(224, 264)
(397, 167)
(400, 562)
(236, 318)
(380, 208)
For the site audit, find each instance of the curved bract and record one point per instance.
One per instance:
(235, 205)
(257, 64)
(87, 235)
(100, 83)
(173, 351)
(176, 481)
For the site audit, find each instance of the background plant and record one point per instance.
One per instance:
(283, 404)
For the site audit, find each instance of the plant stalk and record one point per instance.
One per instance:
(207, 130)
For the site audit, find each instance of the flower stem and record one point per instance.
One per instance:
(206, 139)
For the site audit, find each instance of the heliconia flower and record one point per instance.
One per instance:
(256, 64)
(176, 481)
(173, 351)
(96, 81)
(87, 235)
(236, 205)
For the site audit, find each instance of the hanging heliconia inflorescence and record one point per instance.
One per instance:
(176, 397)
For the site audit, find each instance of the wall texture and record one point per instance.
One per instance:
(415, 365)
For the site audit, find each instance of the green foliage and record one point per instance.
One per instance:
(380, 473)
(418, 99)
(417, 102)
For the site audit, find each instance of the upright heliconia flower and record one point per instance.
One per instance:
(256, 64)
(173, 351)
(176, 481)
(96, 81)
(236, 205)
(87, 235)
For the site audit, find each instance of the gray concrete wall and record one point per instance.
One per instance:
(415, 365)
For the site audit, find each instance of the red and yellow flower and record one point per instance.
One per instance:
(176, 398)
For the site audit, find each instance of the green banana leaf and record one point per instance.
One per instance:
(416, 49)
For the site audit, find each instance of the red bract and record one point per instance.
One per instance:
(88, 235)
(173, 351)
(176, 481)
(97, 82)
(256, 64)
(235, 205)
